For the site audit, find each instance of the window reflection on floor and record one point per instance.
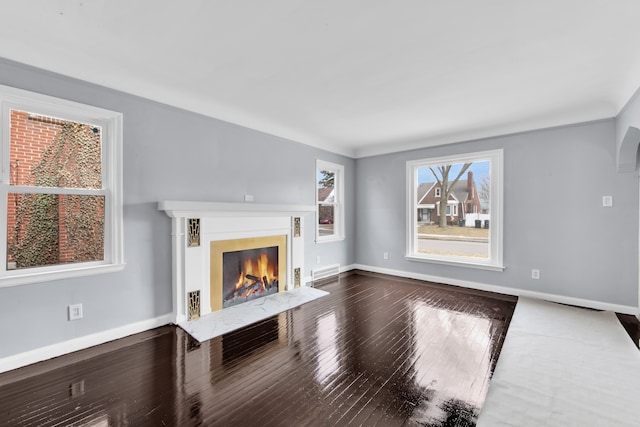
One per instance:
(328, 361)
(447, 362)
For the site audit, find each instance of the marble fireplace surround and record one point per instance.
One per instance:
(226, 221)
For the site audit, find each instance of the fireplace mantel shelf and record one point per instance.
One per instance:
(194, 209)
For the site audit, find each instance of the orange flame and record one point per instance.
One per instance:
(260, 267)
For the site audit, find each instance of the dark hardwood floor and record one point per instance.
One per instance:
(632, 326)
(377, 351)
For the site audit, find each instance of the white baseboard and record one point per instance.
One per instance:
(45, 353)
(350, 267)
(598, 305)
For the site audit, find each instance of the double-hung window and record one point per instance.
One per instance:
(454, 210)
(60, 190)
(329, 201)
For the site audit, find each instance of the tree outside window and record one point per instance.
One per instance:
(455, 209)
(329, 201)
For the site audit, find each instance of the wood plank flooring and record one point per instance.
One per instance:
(377, 351)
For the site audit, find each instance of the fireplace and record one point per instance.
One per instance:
(202, 231)
(246, 269)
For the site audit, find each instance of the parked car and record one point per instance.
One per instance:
(328, 220)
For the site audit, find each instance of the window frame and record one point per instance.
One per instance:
(495, 260)
(111, 123)
(338, 203)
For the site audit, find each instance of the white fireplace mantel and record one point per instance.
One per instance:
(222, 221)
(181, 209)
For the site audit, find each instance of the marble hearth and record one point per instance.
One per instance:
(195, 225)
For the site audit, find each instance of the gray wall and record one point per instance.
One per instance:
(553, 215)
(169, 154)
(554, 183)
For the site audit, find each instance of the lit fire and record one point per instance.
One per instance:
(256, 276)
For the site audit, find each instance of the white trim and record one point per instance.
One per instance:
(496, 243)
(332, 238)
(467, 262)
(349, 267)
(80, 270)
(80, 343)
(111, 123)
(597, 305)
(193, 209)
(338, 203)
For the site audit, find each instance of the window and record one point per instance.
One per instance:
(470, 194)
(449, 206)
(330, 201)
(61, 188)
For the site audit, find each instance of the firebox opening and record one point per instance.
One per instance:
(245, 269)
(249, 274)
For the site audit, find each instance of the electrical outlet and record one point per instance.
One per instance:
(607, 201)
(535, 274)
(248, 197)
(75, 311)
(317, 260)
(385, 255)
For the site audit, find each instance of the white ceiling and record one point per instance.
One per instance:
(358, 77)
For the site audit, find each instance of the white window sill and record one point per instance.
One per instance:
(466, 262)
(24, 278)
(330, 239)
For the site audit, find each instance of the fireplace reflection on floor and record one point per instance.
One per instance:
(242, 343)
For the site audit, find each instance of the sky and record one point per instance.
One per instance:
(479, 169)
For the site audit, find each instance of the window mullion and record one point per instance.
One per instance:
(25, 189)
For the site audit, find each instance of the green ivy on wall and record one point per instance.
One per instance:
(55, 228)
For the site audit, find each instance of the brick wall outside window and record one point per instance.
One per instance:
(31, 135)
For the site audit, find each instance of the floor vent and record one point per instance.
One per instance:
(322, 274)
